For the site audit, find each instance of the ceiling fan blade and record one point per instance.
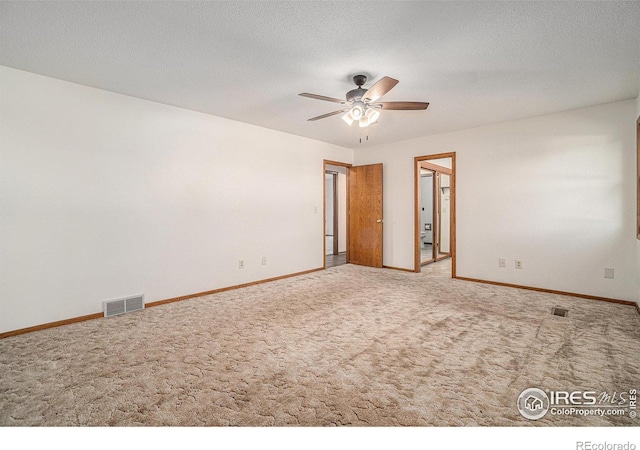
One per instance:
(322, 97)
(381, 87)
(405, 106)
(324, 116)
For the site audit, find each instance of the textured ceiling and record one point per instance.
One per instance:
(475, 62)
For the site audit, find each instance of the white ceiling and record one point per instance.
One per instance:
(476, 62)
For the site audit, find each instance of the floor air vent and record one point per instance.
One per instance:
(123, 305)
(560, 312)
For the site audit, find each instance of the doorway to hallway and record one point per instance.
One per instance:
(335, 211)
(358, 226)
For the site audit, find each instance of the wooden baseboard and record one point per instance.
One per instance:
(44, 326)
(399, 268)
(228, 288)
(148, 305)
(552, 291)
(253, 283)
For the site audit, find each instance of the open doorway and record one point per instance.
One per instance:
(335, 212)
(435, 209)
(359, 216)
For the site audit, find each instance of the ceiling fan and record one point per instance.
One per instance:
(362, 105)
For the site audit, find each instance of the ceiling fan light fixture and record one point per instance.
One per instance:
(347, 118)
(372, 114)
(363, 122)
(356, 112)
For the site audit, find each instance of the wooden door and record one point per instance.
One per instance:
(365, 215)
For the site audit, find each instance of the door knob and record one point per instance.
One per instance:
(379, 221)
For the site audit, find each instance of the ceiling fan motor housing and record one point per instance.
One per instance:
(355, 94)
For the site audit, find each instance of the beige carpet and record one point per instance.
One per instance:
(346, 346)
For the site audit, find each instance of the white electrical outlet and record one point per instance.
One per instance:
(502, 262)
(518, 264)
(608, 273)
(241, 264)
(264, 260)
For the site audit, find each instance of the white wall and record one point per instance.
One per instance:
(556, 191)
(637, 206)
(104, 196)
